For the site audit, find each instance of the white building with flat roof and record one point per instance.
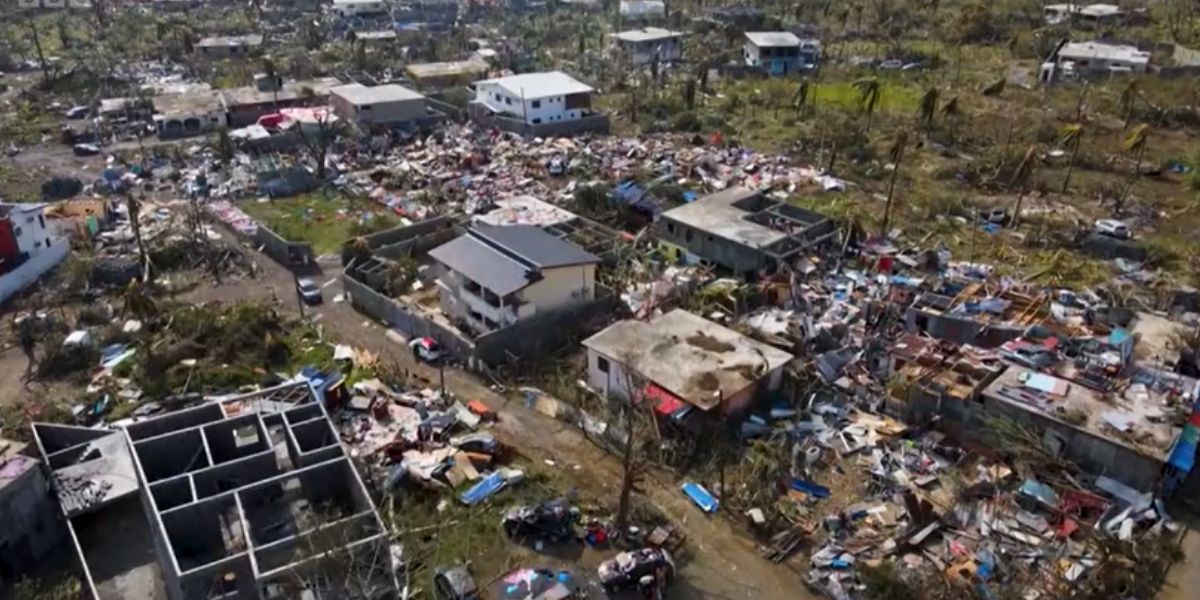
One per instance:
(1089, 59)
(643, 46)
(536, 98)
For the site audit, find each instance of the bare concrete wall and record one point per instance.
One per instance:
(283, 251)
(1093, 454)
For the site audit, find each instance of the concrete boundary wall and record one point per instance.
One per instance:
(284, 252)
(527, 338)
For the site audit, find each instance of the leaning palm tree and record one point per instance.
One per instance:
(1070, 137)
(927, 109)
(896, 154)
(1127, 102)
(870, 91)
(1135, 144)
(1021, 178)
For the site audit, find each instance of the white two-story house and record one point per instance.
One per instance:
(641, 47)
(495, 276)
(536, 98)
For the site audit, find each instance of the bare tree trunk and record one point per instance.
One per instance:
(887, 208)
(41, 54)
(629, 470)
(134, 207)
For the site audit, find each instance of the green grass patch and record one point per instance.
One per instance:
(324, 221)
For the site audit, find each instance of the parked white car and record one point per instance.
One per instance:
(1113, 228)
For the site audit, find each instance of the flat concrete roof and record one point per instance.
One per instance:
(646, 34)
(532, 86)
(716, 214)
(765, 39)
(453, 67)
(188, 104)
(291, 90)
(526, 210)
(1102, 51)
(253, 39)
(359, 94)
(1141, 409)
(689, 356)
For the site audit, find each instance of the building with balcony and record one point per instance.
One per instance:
(641, 47)
(496, 276)
(543, 104)
(780, 52)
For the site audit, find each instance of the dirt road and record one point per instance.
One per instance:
(721, 564)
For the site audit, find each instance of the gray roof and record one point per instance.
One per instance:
(533, 245)
(718, 214)
(359, 94)
(507, 258)
(483, 265)
(646, 34)
(541, 85)
(764, 39)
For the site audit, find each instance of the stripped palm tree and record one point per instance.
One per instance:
(1070, 137)
(1135, 144)
(896, 154)
(1127, 102)
(870, 91)
(1021, 178)
(927, 109)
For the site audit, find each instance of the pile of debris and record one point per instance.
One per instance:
(423, 437)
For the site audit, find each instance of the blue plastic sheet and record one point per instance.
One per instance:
(700, 496)
(483, 490)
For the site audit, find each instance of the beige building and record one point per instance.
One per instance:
(495, 276)
(680, 358)
(381, 105)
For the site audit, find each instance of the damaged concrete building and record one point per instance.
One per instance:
(249, 497)
(742, 230)
(684, 360)
(1087, 400)
(29, 524)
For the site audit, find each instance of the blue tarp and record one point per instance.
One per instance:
(485, 488)
(700, 496)
(810, 488)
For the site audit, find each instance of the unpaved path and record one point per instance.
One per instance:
(721, 563)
